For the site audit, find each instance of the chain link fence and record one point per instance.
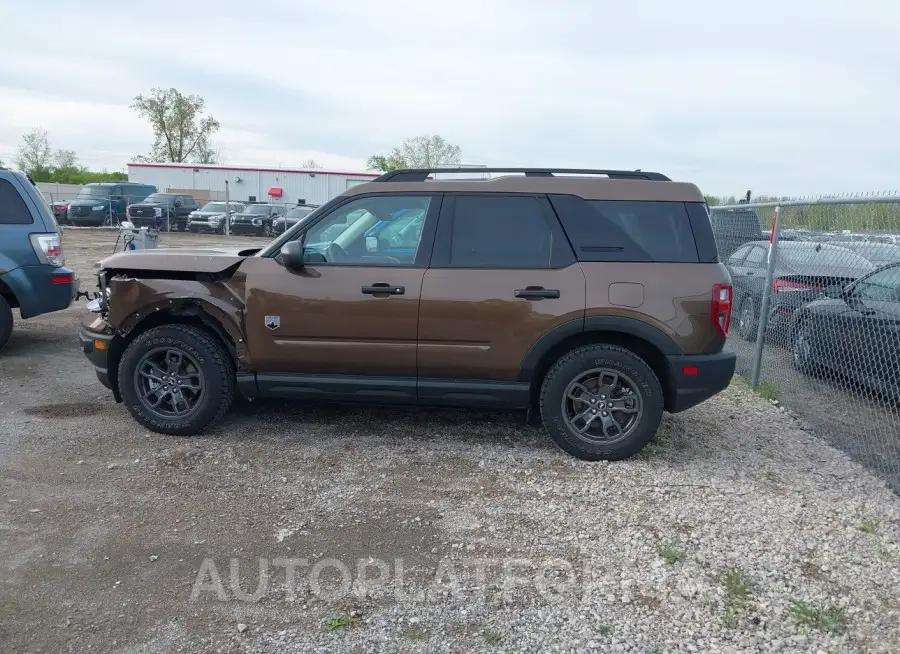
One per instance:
(816, 317)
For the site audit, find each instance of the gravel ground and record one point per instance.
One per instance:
(415, 530)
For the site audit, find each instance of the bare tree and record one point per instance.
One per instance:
(65, 159)
(208, 154)
(418, 152)
(310, 164)
(181, 131)
(34, 153)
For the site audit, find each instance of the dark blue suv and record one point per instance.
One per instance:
(33, 276)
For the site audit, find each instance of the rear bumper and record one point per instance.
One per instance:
(38, 290)
(697, 377)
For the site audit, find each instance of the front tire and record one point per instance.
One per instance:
(6, 322)
(177, 379)
(601, 402)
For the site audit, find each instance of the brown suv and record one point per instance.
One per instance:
(594, 299)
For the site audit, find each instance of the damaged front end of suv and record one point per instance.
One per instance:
(138, 291)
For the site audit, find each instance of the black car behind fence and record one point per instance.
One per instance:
(816, 321)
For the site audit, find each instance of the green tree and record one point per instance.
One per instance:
(34, 155)
(417, 152)
(181, 130)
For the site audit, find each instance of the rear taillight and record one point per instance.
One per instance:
(783, 285)
(721, 307)
(48, 248)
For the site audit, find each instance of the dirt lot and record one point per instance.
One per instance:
(295, 528)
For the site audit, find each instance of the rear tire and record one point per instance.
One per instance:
(156, 361)
(6, 322)
(626, 393)
(801, 351)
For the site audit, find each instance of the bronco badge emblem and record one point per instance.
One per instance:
(273, 322)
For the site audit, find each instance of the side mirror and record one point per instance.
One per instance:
(292, 255)
(835, 292)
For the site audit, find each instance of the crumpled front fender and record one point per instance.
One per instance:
(133, 300)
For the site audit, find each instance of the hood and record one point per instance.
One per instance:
(87, 202)
(207, 214)
(201, 260)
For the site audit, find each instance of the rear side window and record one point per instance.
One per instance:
(634, 230)
(13, 210)
(500, 231)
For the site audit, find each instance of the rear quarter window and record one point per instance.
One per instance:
(13, 209)
(634, 230)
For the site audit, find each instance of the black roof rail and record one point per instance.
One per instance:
(421, 174)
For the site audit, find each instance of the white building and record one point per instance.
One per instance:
(280, 185)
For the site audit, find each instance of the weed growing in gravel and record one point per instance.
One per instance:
(822, 617)
(338, 622)
(670, 552)
(414, 633)
(738, 592)
(868, 526)
(769, 390)
(604, 629)
(492, 636)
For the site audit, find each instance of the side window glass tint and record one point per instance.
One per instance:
(13, 209)
(364, 232)
(661, 229)
(500, 232)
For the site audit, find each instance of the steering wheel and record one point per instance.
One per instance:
(335, 252)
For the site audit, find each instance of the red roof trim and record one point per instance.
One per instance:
(314, 171)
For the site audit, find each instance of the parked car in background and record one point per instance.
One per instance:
(878, 253)
(105, 203)
(60, 212)
(33, 276)
(163, 211)
(732, 228)
(292, 217)
(803, 269)
(211, 217)
(855, 331)
(257, 219)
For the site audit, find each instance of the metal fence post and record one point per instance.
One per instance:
(767, 293)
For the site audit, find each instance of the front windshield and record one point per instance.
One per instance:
(214, 207)
(94, 192)
(258, 209)
(160, 198)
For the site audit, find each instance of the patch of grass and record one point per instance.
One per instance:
(822, 617)
(414, 633)
(604, 629)
(738, 593)
(338, 622)
(868, 526)
(670, 552)
(492, 636)
(768, 389)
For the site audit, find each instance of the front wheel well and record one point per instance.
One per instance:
(184, 314)
(651, 355)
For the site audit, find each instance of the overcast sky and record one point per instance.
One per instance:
(786, 97)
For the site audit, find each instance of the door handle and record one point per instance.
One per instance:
(536, 292)
(381, 288)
